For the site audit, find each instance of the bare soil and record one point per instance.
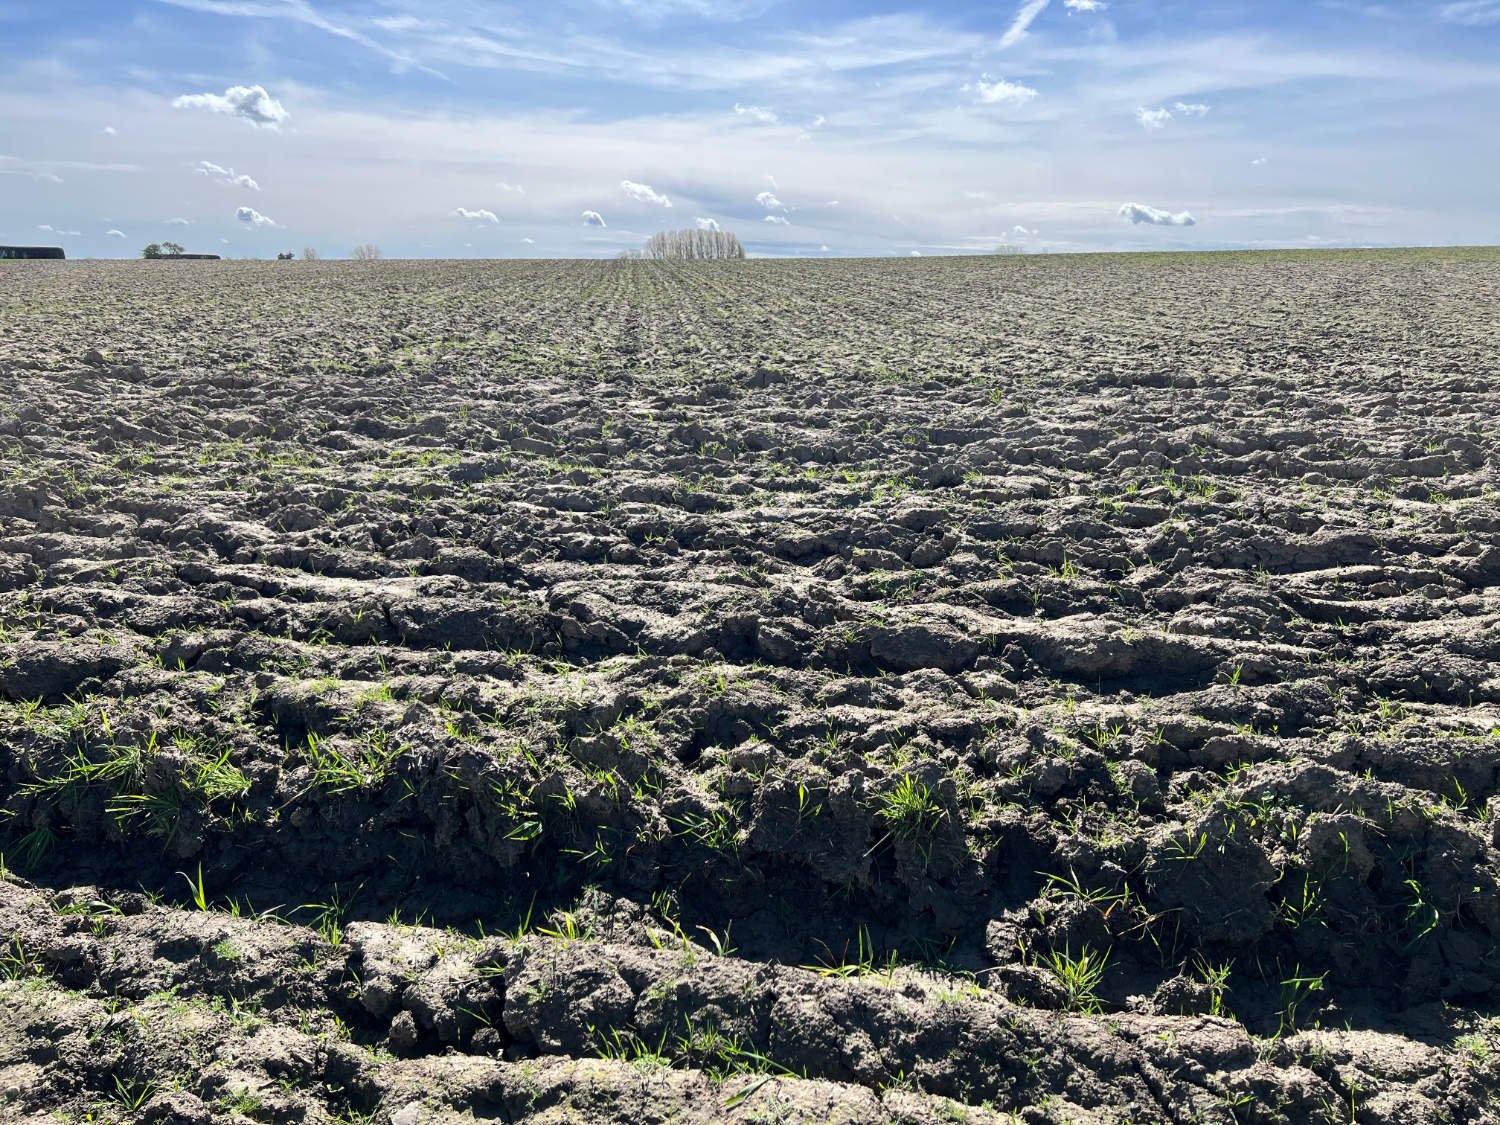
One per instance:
(969, 690)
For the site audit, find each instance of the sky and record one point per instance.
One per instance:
(576, 128)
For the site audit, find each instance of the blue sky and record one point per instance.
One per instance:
(457, 128)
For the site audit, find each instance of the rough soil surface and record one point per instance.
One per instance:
(1044, 690)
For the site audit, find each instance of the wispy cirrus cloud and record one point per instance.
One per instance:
(1471, 13)
(1025, 16)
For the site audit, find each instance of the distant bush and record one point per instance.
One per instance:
(162, 250)
(366, 252)
(696, 245)
(1008, 250)
(309, 254)
(285, 256)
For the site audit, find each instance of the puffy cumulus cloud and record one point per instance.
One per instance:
(109, 130)
(482, 215)
(1160, 117)
(529, 241)
(769, 201)
(514, 189)
(226, 176)
(1000, 92)
(783, 220)
(759, 114)
(253, 217)
(112, 233)
(179, 223)
(916, 253)
(593, 219)
(1258, 161)
(249, 103)
(644, 193)
(1155, 216)
(707, 224)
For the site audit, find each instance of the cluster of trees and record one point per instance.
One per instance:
(694, 245)
(162, 250)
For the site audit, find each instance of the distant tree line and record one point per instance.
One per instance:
(694, 245)
(162, 250)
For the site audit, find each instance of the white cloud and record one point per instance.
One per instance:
(47, 177)
(759, 114)
(645, 193)
(779, 219)
(226, 176)
(823, 248)
(515, 189)
(253, 217)
(1472, 13)
(109, 130)
(1086, 5)
(1001, 92)
(1027, 13)
(916, 253)
(1191, 109)
(1153, 118)
(769, 201)
(707, 224)
(59, 231)
(1019, 229)
(817, 122)
(178, 223)
(1258, 161)
(593, 219)
(482, 215)
(114, 234)
(529, 241)
(250, 103)
(1140, 213)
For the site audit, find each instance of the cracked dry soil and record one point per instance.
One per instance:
(971, 690)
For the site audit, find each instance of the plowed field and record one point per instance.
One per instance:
(971, 690)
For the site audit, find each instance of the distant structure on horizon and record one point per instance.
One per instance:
(13, 253)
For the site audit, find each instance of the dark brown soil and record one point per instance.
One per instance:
(1054, 690)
